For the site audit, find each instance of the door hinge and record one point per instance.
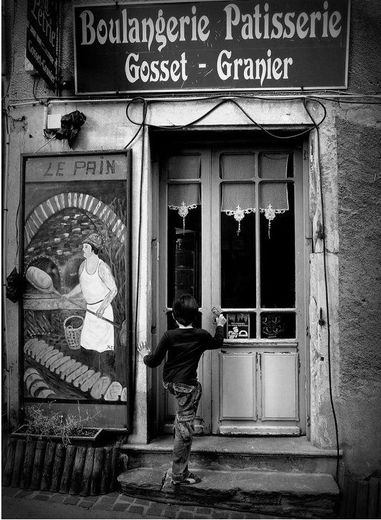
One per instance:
(308, 421)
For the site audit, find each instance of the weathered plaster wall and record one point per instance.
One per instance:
(359, 144)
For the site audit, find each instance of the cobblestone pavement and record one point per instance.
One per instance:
(112, 505)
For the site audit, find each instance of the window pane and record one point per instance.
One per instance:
(237, 262)
(237, 166)
(278, 253)
(278, 325)
(184, 255)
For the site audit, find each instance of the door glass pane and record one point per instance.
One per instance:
(240, 325)
(237, 262)
(277, 245)
(279, 325)
(237, 166)
(273, 165)
(185, 166)
(184, 255)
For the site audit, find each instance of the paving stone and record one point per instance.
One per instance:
(10, 492)
(106, 499)
(98, 506)
(24, 494)
(204, 510)
(125, 499)
(140, 501)
(136, 509)
(86, 504)
(92, 499)
(156, 508)
(49, 494)
(170, 512)
(120, 506)
(71, 500)
(42, 497)
(58, 498)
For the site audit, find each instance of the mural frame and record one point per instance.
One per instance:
(103, 171)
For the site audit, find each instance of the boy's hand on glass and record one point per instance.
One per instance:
(221, 320)
(143, 349)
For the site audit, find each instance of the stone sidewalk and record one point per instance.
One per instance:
(112, 505)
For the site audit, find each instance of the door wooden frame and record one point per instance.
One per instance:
(210, 287)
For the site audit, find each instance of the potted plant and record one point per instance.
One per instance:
(54, 425)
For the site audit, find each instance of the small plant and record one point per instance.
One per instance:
(55, 424)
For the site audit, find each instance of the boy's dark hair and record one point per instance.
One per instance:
(185, 309)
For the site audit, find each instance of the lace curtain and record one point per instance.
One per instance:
(183, 198)
(238, 200)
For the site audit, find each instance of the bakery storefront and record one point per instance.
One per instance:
(223, 187)
(197, 144)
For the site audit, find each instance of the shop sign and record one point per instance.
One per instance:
(238, 325)
(76, 262)
(211, 45)
(42, 38)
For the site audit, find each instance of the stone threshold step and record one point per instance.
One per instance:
(301, 495)
(247, 445)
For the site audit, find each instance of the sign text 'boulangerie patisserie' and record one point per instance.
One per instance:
(212, 45)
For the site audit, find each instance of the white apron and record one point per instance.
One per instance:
(96, 334)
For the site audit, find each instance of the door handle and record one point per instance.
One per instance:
(216, 311)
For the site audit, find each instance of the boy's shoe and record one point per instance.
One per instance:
(190, 479)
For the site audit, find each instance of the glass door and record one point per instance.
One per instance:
(231, 234)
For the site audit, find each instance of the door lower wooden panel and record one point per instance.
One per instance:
(279, 386)
(237, 390)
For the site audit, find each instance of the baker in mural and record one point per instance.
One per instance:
(97, 285)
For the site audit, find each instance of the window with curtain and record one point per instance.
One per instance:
(258, 259)
(184, 227)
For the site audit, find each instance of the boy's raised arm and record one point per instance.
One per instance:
(153, 360)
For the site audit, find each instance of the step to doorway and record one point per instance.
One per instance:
(282, 494)
(287, 454)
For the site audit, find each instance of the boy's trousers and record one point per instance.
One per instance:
(187, 399)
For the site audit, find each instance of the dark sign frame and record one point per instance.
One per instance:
(284, 47)
(103, 414)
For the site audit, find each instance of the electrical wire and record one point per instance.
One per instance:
(222, 101)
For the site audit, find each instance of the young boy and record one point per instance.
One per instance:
(184, 346)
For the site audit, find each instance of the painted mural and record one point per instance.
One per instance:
(76, 265)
